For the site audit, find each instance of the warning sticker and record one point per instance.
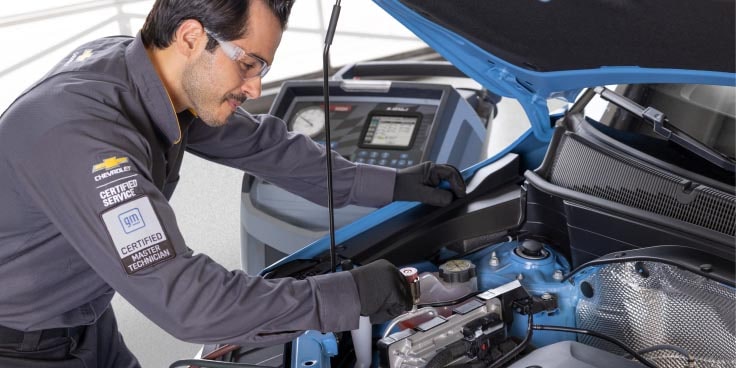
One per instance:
(137, 234)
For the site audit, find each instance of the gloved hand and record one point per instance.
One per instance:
(419, 183)
(382, 289)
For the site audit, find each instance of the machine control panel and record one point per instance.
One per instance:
(364, 131)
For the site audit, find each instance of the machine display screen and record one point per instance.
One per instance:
(390, 131)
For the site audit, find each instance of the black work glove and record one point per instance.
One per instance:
(419, 183)
(382, 289)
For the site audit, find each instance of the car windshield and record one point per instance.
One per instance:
(705, 114)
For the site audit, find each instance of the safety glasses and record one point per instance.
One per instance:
(249, 65)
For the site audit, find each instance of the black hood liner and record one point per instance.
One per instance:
(557, 35)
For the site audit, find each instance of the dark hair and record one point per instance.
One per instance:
(226, 18)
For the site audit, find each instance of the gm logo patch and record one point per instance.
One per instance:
(131, 220)
(137, 234)
(109, 163)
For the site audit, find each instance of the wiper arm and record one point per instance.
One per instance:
(661, 126)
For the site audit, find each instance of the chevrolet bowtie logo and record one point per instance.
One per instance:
(85, 55)
(109, 163)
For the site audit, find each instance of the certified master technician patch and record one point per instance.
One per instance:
(137, 234)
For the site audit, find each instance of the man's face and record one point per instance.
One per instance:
(213, 81)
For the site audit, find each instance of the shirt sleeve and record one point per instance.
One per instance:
(262, 146)
(92, 179)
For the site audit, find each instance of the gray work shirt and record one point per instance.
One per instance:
(82, 217)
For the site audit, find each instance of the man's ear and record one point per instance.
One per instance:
(188, 37)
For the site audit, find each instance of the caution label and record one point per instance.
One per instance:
(137, 235)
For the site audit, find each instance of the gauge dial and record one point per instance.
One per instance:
(309, 121)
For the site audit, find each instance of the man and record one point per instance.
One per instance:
(89, 156)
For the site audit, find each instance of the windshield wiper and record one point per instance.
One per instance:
(663, 128)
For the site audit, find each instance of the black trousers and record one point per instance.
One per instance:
(98, 345)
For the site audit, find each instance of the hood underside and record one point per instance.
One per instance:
(534, 50)
(556, 35)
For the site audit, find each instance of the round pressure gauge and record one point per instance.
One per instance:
(309, 121)
(457, 270)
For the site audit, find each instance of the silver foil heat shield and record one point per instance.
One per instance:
(668, 306)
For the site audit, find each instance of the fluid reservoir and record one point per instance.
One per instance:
(455, 279)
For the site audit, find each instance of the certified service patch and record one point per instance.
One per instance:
(137, 235)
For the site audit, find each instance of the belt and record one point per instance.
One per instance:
(13, 336)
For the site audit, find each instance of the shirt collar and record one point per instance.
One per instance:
(155, 99)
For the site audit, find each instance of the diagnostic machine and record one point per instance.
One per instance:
(393, 124)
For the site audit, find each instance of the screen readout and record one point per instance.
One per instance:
(392, 131)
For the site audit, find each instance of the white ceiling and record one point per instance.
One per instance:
(36, 34)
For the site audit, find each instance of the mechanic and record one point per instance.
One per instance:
(89, 157)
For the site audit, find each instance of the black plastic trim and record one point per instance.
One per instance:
(624, 154)
(644, 216)
(549, 156)
(494, 204)
(493, 213)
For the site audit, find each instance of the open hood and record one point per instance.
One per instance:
(561, 226)
(533, 50)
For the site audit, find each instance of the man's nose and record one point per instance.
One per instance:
(252, 87)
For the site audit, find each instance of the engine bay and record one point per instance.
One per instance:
(559, 256)
(586, 241)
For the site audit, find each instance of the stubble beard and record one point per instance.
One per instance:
(196, 79)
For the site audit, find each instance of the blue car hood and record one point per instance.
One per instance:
(534, 50)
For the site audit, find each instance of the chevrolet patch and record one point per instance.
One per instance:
(109, 163)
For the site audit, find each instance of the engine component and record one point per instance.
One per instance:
(474, 331)
(481, 335)
(531, 249)
(540, 276)
(455, 280)
(412, 277)
(457, 271)
(665, 305)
